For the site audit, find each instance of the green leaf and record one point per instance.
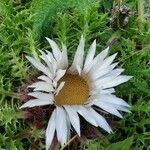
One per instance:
(123, 145)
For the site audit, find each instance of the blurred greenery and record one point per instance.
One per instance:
(24, 25)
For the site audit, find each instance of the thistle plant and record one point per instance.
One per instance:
(23, 28)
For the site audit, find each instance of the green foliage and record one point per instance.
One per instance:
(22, 28)
(8, 115)
(46, 13)
(124, 145)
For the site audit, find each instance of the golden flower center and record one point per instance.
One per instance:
(74, 92)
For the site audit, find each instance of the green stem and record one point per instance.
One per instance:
(140, 7)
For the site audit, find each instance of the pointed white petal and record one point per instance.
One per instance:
(53, 61)
(113, 99)
(74, 118)
(114, 73)
(68, 127)
(50, 130)
(99, 59)
(111, 78)
(85, 113)
(108, 77)
(89, 57)
(108, 60)
(108, 108)
(118, 80)
(63, 64)
(78, 59)
(101, 121)
(42, 86)
(103, 64)
(99, 73)
(42, 96)
(102, 71)
(44, 57)
(40, 66)
(45, 78)
(55, 49)
(101, 56)
(61, 125)
(61, 85)
(35, 102)
(120, 108)
(59, 74)
(114, 65)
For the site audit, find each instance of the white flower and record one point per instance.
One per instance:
(75, 89)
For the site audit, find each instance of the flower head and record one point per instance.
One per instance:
(73, 90)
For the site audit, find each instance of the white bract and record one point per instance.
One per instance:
(75, 89)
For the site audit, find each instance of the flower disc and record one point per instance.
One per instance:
(74, 92)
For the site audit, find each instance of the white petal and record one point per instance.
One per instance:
(99, 73)
(89, 57)
(107, 91)
(42, 96)
(44, 57)
(108, 77)
(100, 91)
(68, 127)
(118, 80)
(35, 102)
(114, 65)
(99, 59)
(52, 60)
(61, 125)
(103, 64)
(40, 66)
(61, 85)
(114, 73)
(121, 108)
(113, 99)
(74, 118)
(59, 74)
(102, 71)
(50, 130)
(63, 64)
(55, 49)
(85, 113)
(101, 121)
(101, 56)
(78, 59)
(108, 60)
(42, 86)
(45, 78)
(108, 108)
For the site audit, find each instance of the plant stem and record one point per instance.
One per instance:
(140, 8)
(69, 142)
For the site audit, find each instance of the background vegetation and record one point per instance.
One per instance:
(124, 25)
